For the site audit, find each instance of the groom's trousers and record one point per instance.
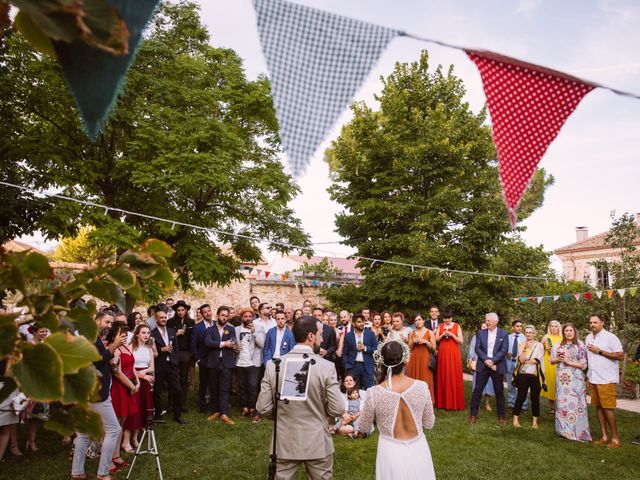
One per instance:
(317, 469)
(482, 377)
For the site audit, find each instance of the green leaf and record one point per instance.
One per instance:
(106, 291)
(78, 387)
(83, 319)
(34, 35)
(136, 291)
(156, 247)
(50, 320)
(9, 385)
(38, 265)
(78, 418)
(8, 333)
(75, 352)
(165, 277)
(123, 277)
(39, 372)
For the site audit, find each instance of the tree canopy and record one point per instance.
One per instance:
(191, 140)
(419, 184)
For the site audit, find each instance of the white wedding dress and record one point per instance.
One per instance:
(400, 459)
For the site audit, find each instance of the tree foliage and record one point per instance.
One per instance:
(59, 369)
(418, 182)
(79, 249)
(191, 140)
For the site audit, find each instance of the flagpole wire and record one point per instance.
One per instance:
(257, 239)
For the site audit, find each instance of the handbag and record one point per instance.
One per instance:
(471, 365)
(433, 361)
(514, 378)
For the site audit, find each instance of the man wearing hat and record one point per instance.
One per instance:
(183, 326)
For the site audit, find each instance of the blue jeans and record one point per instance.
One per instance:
(362, 378)
(112, 432)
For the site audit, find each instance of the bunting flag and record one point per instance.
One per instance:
(528, 106)
(95, 77)
(317, 61)
(586, 295)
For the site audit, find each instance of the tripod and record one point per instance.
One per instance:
(152, 446)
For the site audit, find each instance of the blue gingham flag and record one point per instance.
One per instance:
(317, 61)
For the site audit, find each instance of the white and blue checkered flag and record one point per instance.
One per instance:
(317, 61)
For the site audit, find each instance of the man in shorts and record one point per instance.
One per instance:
(604, 351)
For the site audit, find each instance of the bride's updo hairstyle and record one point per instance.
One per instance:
(392, 354)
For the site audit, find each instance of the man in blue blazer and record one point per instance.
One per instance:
(357, 354)
(220, 342)
(279, 340)
(492, 346)
(199, 352)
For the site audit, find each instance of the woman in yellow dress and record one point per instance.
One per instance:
(552, 338)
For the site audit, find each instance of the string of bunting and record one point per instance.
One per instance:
(173, 223)
(565, 297)
(289, 278)
(317, 61)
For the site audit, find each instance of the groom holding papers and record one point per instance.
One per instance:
(492, 346)
(303, 436)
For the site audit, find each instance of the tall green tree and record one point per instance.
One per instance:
(191, 140)
(418, 182)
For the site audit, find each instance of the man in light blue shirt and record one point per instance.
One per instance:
(515, 338)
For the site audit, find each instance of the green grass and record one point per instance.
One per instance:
(201, 450)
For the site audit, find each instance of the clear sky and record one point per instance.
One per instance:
(595, 159)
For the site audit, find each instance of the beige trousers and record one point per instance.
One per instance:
(317, 469)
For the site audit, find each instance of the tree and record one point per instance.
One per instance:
(419, 185)
(323, 269)
(59, 369)
(191, 140)
(78, 249)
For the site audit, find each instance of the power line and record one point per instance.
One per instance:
(373, 261)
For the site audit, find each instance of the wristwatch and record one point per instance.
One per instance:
(599, 352)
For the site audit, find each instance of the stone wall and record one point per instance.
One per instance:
(237, 294)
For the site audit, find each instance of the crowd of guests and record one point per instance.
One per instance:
(144, 356)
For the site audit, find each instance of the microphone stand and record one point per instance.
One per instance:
(273, 458)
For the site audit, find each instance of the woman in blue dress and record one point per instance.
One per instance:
(570, 355)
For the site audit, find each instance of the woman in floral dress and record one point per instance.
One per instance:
(570, 356)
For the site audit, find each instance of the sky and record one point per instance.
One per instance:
(594, 159)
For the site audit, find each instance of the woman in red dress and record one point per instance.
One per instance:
(422, 343)
(144, 367)
(450, 395)
(124, 386)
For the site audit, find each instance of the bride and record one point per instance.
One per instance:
(401, 407)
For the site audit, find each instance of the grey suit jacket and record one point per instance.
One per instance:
(303, 432)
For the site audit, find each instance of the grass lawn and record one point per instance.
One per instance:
(201, 450)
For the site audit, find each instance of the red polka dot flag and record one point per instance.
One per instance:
(528, 106)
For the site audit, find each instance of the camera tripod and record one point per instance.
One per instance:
(152, 446)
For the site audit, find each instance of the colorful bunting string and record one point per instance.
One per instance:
(316, 65)
(586, 295)
(223, 234)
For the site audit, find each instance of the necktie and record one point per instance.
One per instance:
(433, 325)
(514, 349)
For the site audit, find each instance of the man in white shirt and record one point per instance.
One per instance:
(604, 351)
(515, 338)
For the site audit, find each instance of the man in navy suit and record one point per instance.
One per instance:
(434, 318)
(357, 355)
(220, 342)
(492, 346)
(279, 340)
(199, 352)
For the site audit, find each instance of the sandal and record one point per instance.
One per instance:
(31, 446)
(119, 462)
(15, 451)
(128, 448)
(552, 411)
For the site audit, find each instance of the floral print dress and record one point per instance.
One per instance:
(572, 419)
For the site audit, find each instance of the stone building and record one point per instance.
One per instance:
(579, 257)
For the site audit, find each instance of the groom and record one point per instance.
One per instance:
(492, 346)
(303, 436)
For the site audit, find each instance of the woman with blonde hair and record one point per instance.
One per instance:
(526, 375)
(552, 338)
